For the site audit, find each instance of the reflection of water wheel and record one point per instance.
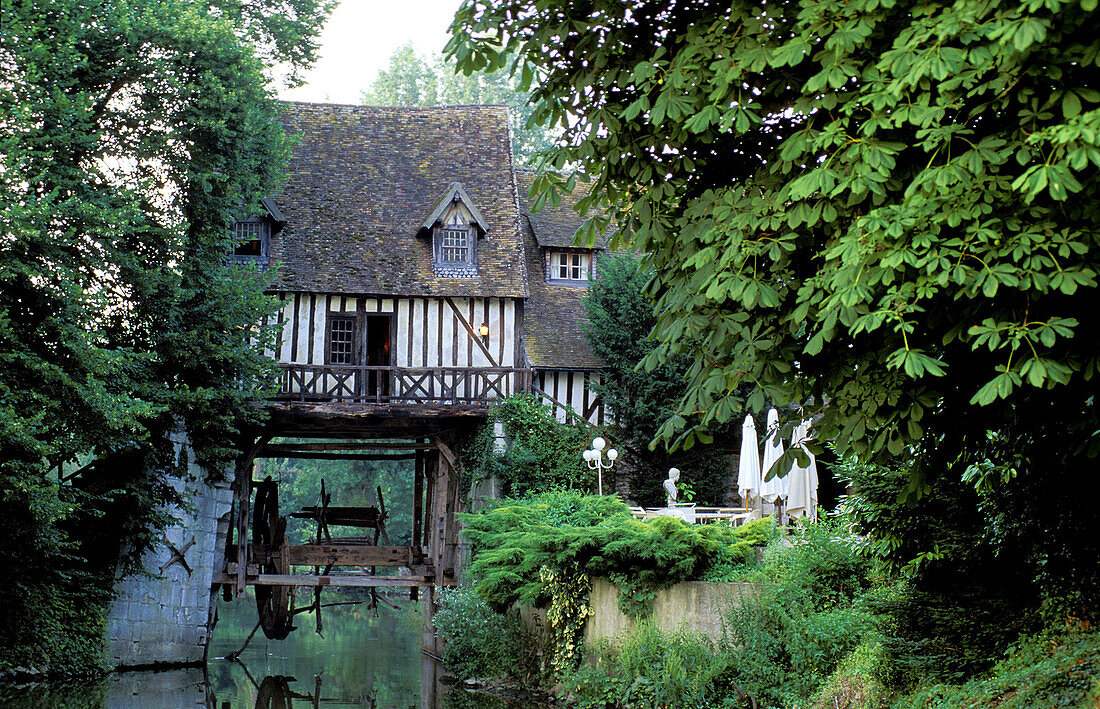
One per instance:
(269, 530)
(274, 693)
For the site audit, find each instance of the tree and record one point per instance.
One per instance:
(620, 318)
(411, 80)
(134, 133)
(883, 212)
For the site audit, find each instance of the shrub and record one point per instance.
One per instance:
(650, 669)
(480, 642)
(968, 595)
(543, 453)
(1047, 670)
(810, 613)
(563, 530)
(857, 682)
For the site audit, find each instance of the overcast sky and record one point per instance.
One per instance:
(359, 38)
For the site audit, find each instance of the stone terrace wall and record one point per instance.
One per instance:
(164, 618)
(695, 606)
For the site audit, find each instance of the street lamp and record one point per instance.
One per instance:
(594, 458)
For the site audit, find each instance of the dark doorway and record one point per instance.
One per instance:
(378, 355)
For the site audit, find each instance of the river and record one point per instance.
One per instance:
(367, 658)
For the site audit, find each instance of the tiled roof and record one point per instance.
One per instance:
(360, 182)
(553, 314)
(554, 226)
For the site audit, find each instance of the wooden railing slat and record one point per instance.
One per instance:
(411, 385)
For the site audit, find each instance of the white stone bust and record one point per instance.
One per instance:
(670, 485)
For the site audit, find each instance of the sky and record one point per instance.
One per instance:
(359, 38)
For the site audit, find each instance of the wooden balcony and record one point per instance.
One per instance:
(437, 386)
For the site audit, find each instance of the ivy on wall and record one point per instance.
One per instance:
(569, 590)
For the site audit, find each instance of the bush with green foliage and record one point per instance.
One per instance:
(858, 681)
(480, 642)
(649, 669)
(542, 453)
(810, 611)
(970, 589)
(1046, 670)
(514, 539)
(620, 318)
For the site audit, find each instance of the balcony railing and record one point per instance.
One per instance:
(400, 385)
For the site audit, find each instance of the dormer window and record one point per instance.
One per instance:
(252, 239)
(252, 236)
(454, 247)
(569, 267)
(455, 226)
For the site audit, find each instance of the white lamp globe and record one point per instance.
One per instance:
(587, 455)
(598, 444)
(612, 454)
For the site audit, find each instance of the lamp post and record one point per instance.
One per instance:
(594, 458)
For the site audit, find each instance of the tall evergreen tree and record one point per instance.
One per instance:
(620, 320)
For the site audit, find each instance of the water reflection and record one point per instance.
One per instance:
(365, 659)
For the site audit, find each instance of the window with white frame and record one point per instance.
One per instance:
(569, 266)
(454, 246)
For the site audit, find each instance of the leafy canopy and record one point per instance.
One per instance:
(886, 204)
(411, 80)
(133, 133)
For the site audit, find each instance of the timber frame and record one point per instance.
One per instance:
(430, 561)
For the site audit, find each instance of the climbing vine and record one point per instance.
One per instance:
(542, 452)
(569, 590)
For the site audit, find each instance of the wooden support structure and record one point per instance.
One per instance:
(320, 455)
(337, 554)
(344, 580)
(335, 561)
(289, 450)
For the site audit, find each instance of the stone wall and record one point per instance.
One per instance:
(163, 618)
(694, 606)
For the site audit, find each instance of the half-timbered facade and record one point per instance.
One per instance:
(564, 369)
(415, 289)
(411, 269)
(400, 257)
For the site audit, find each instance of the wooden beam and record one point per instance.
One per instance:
(310, 455)
(348, 555)
(346, 516)
(335, 580)
(445, 451)
(347, 446)
(473, 335)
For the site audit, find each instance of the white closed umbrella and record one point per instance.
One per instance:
(748, 468)
(776, 488)
(802, 493)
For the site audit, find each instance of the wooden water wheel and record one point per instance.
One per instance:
(269, 535)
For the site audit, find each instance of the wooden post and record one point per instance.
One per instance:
(418, 507)
(439, 516)
(429, 488)
(242, 495)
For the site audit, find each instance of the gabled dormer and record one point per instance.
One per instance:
(252, 235)
(455, 227)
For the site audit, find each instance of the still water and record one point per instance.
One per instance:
(366, 658)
